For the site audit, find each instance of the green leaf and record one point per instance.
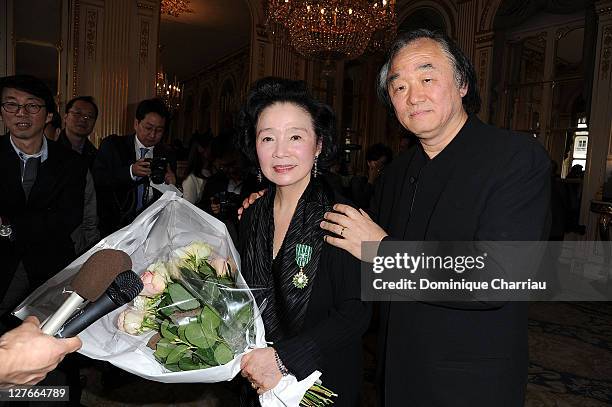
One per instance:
(181, 333)
(206, 268)
(207, 356)
(198, 337)
(167, 310)
(244, 316)
(163, 348)
(210, 318)
(165, 307)
(168, 330)
(223, 353)
(176, 354)
(181, 297)
(173, 367)
(186, 363)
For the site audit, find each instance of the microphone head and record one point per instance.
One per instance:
(125, 288)
(99, 271)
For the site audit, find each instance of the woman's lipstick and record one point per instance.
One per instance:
(281, 169)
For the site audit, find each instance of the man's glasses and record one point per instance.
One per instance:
(12, 107)
(80, 115)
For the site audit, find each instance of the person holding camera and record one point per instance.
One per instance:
(225, 190)
(126, 167)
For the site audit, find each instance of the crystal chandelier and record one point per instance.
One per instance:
(335, 29)
(170, 92)
(175, 7)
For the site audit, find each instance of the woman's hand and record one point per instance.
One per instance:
(260, 368)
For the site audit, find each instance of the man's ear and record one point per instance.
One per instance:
(463, 90)
(135, 124)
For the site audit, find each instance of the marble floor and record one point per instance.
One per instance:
(570, 347)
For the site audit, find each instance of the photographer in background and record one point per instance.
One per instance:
(227, 188)
(126, 166)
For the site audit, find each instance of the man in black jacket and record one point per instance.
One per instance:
(463, 181)
(41, 193)
(80, 118)
(122, 168)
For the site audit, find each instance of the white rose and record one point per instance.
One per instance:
(160, 269)
(172, 267)
(130, 321)
(200, 250)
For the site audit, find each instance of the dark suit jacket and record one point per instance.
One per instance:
(42, 225)
(115, 190)
(89, 150)
(487, 184)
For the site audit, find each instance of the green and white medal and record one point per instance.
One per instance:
(302, 257)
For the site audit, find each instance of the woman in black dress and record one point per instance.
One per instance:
(314, 317)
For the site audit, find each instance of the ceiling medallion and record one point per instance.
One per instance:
(175, 7)
(335, 29)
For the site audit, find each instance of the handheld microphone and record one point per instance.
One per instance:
(124, 289)
(94, 277)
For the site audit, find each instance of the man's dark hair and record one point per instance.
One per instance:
(32, 85)
(87, 99)
(378, 150)
(154, 105)
(268, 91)
(462, 66)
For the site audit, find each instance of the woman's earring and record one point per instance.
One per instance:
(259, 177)
(314, 167)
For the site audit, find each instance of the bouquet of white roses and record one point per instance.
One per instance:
(178, 276)
(191, 302)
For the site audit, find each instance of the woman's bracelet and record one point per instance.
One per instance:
(281, 367)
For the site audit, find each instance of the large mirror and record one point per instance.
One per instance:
(37, 46)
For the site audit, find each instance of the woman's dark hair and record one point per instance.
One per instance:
(268, 91)
(462, 66)
(195, 161)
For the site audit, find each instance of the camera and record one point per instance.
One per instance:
(158, 169)
(229, 202)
